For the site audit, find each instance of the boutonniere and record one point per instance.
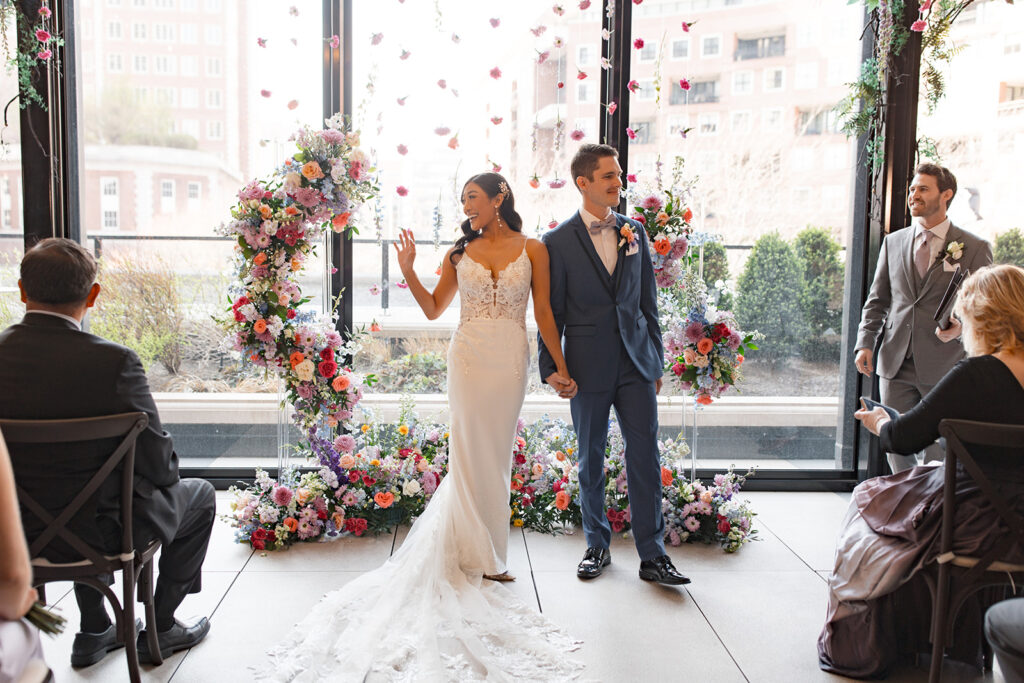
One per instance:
(628, 236)
(954, 251)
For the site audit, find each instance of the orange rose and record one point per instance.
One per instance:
(291, 210)
(384, 499)
(517, 482)
(340, 221)
(662, 245)
(739, 359)
(687, 215)
(562, 500)
(260, 326)
(341, 383)
(704, 400)
(260, 259)
(338, 518)
(704, 346)
(537, 469)
(666, 476)
(661, 218)
(311, 170)
(290, 523)
(295, 359)
(266, 211)
(296, 265)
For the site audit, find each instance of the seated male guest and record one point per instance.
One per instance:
(19, 640)
(51, 369)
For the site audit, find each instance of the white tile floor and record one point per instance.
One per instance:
(752, 616)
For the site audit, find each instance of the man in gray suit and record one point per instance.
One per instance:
(915, 266)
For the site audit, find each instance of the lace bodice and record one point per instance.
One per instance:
(481, 296)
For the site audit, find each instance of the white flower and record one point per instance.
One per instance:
(359, 156)
(701, 361)
(249, 311)
(270, 227)
(955, 250)
(411, 488)
(305, 370)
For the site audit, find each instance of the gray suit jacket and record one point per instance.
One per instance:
(901, 309)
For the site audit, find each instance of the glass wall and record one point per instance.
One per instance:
(741, 94)
(12, 229)
(185, 101)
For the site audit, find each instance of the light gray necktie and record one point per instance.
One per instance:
(923, 255)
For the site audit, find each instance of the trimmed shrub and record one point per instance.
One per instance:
(1009, 248)
(716, 267)
(768, 298)
(821, 299)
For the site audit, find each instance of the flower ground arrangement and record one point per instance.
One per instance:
(384, 474)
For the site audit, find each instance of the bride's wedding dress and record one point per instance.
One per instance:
(427, 614)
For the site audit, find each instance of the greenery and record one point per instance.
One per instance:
(414, 373)
(30, 51)
(1010, 248)
(716, 267)
(768, 298)
(139, 306)
(821, 298)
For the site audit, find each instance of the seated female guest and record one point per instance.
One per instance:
(19, 641)
(877, 609)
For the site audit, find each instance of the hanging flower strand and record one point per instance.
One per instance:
(43, 41)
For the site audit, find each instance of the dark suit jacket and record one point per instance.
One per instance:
(593, 310)
(51, 370)
(901, 308)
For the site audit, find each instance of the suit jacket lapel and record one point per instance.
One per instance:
(620, 264)
(908, 261)
(588, 248)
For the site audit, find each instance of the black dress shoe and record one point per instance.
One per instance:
(593, 563)
(89, 648)
(660, 569)
(176, 638)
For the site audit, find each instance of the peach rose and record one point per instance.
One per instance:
(662, 245)
(562, 500)
(384, 499)
(341, 383)
(347, 461)
(537, 469)
(340, 221)
(260, 326)
(302, 496)
(666, 476)
(661, 218)
(689, 356)
(706, 497)
(559, 456)
(311, 170)
(266, 211)
(705, 345)
(422, 466)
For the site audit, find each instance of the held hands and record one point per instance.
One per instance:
(863, 362)
(405, 248)
(563, 384)
(951, 333)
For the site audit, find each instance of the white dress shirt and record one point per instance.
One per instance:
(606, 242)
(71, 320)
(938, 241)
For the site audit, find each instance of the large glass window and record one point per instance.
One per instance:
(11, 223)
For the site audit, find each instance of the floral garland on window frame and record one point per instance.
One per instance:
(37, 32)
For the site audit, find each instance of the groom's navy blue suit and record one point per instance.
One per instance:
(612, 345)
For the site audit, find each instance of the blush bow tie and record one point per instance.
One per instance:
(597, 226)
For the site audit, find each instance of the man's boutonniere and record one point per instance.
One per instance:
(628, 236)
(954, 251)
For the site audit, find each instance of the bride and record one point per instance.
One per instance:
(435, 610)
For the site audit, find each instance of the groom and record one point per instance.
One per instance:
(604, 301)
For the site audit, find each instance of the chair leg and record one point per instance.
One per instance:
(128, 607)
(939, 611)
(146, 598)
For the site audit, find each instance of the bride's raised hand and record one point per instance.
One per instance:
(405, 248)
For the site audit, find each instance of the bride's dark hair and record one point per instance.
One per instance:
(492, 184)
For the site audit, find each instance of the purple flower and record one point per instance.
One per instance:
(679, 248)
(282, 495)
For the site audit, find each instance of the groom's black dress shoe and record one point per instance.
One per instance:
(89, 648)
(660, 569)
(593, 563)
(178, 637)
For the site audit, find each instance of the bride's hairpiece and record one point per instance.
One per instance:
(503, 189)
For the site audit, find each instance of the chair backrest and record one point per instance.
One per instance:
(24, 437)
(1006, 438)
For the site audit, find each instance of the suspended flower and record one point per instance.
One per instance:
(584, 5)
(538, 30)
(293, 104)
(496, 167)
(293, 10)
(456, 39)
(442, 130)
(401, 101)
(558, 42)
(402, 285)
(631, 134)
(376, 38)
(577, 135)
(558, 9)
(265, 93)
(495, 73)
(335, 42)
(495, 23)
(262, 42)
(556, 184)
(631, 177)
(560, 85)
(687, 25)
(403, 150)
(441, 83)
(454, 142)
(374, 290)
(606, 34)
(633, 86)
(45, 12)
(534, 181)
(43, 55)
(638, 43)
(684, 84)
(580, 75)
(637, 2)
(496, 120)
(43, 35)
(374, 326)
(611, 107)
(605, 63)
(552, 225)
(402, 190)
(404, 55)
(543, 56)
(919, 26)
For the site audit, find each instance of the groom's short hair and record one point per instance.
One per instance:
(587, 158)
(944, 178)
(57, 271)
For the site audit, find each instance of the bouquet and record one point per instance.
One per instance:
(667, 222)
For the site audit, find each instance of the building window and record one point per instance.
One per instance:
(164, 4)
(1013, 93)
(213, 98)
(816, 122)
(707, 124)
(677, 125)
(141, 94)
(703, 91)
(114, 30)
(188, 5)
(584, 93)
(193, 191)
(189, 35)
(681, 48)
(114, 64)
(742, 82)
(166, 189)
(189, 127)
(213, 5)
(138, 31)
(646, 90)
(760, 48)
(164, 64)
(189, 98)
(110, 219)
(139, 64)
(108, 187)
(740, 122)
(166, 97)
(214, 34)
(213, 66)
(648, 53)
(644, 133)
(138, 3)
(774, 79)
(710, 46)
(586, 55)
(771, 119)
(214, 130)
(189, 65)
(164, 32)
(801, 195)
(806, 76)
